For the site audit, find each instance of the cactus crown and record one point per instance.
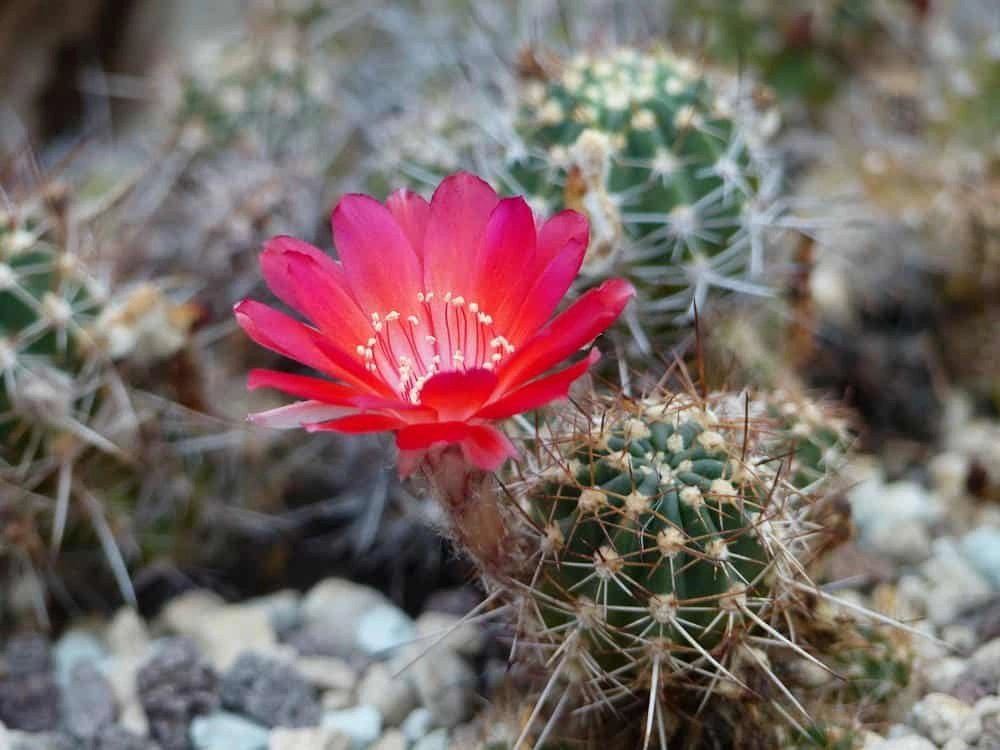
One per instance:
(646, 146)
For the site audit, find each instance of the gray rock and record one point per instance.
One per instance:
(465, 638)
(417, 724)
(27, 653)
(384, 628)
(910, 742)
(882, 509)
(327, 672)
(942, 717)
(30, 702)
(283, 608)
(89, 703)
(391, 740)
(184, 614)
(311, 738)
(174, 686)
(40, 741)
(270, 692)
(988, 711)
(127, 635)
(436, 740)
(77, 646)
(363, 724)
(225, 731)
(981, 674)
(118, 738)
(446, 686)
(394, 696)
(981, 547)
(331, 612)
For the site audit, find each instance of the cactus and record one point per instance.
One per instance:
(668, 165)
(658, 557)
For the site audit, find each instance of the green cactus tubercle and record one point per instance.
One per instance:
(652, 543)
(643, 145)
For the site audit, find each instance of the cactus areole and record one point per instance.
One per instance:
(435, 321)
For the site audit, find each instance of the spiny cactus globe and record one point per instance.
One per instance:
(669, 554)
(658, 158)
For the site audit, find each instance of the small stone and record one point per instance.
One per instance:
(334, 700)
(465, 638)
(906, 542)
(89, 703)
(942, 717)
(981, 674)
(394, 696)
(175, 685)
(981, 547)
(311, 738)
(390, 740)
(955, 744)
(331, 612)
(76, 647)
(30, 702)
(417, 724)
(988, 711)
(225, 731)
(127, 635)
(40, 741)
(184, 614)
(457, 601)
(363, 724)
(327, 672)
(942, 674)
(27, 653)
(283, 608)
(116, 737)
(951, 584)
(446, 686)
(234, 630)
(910, 742)
(384, 628)
(436, 740)
(269, 691)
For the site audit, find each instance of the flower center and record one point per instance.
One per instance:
(444, 333)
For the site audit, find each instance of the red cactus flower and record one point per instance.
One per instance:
(434, 322)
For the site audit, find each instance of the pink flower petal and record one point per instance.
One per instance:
(548, 291)
(421, 436)
(412, 213)
(487, 447)
(564, 230)
(380, 265)
(359, 423)
(312, 283)
(539, 392)
(290, 338)
(577, 326)
(316, 389)
(299, 414)
(458, 395)
(460, 209)
(501, 272)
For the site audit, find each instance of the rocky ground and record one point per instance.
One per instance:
(340, 667)
(335, 668)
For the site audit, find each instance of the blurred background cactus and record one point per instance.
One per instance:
(657, 560)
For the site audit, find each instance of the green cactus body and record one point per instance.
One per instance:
(45, 301)
(652, 533)
(644, 146)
